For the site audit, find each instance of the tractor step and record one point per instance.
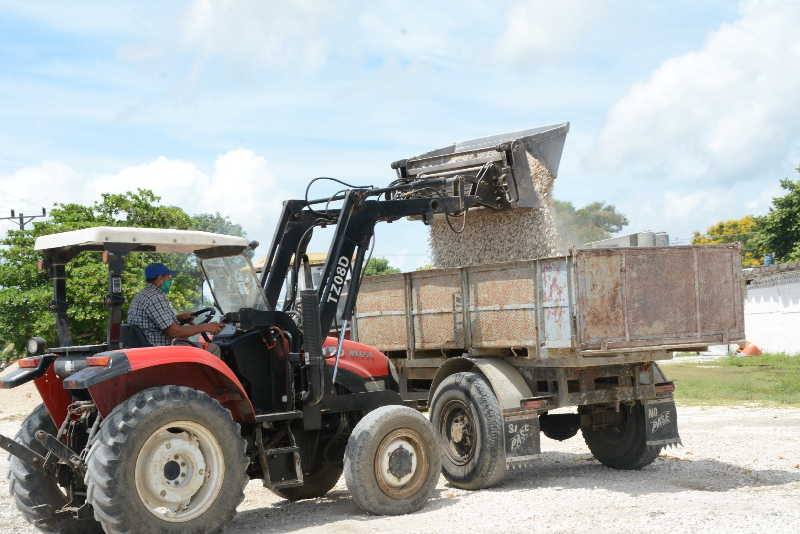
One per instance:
(287, 484)
(290, 477)
(282, 450)
(278, 416)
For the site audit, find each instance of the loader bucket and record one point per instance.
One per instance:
(507, 152)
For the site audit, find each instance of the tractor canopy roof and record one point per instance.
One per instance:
(143, 240)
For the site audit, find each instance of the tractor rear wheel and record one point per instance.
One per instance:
(37, 495)
(392, 461)
(168, 459)
(623, 446)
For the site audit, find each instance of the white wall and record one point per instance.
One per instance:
(772, 312)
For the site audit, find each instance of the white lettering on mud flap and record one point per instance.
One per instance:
(661, 422)
(522, 440)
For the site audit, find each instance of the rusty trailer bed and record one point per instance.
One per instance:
(589, 307)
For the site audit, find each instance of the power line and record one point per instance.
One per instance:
(22, 220)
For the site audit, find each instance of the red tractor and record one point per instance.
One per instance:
(132, 437)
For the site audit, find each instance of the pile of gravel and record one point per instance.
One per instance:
(493, 236)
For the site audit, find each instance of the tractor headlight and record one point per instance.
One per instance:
(36, 345)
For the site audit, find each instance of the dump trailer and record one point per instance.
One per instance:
(495, 348)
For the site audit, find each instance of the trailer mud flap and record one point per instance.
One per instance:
(661, 422)
(522, 440)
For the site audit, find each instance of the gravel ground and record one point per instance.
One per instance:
(738, 471)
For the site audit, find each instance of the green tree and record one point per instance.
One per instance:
(592, 222)
(217, 223)
(744, 231)
(26, 292)
(779, 230)
(379, 266)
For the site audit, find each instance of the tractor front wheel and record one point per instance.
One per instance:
(392, 461)
(169, 459)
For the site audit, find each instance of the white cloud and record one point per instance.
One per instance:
(538, 27)
(723, 113)
(241, 185)
(285, 34)
(31, 188)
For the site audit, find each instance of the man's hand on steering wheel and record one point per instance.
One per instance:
(210, 328)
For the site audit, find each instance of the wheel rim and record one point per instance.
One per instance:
(457, 426)
(179, 471)
(401, 463)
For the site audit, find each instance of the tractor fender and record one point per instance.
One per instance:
(130, 371)
(507, 382)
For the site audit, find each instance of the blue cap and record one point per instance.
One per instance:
(154, 270)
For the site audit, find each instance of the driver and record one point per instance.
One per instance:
(151, 311)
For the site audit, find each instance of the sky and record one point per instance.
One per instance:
(682, 113)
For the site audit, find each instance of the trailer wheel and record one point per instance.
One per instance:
(467, 418)
(168, 459)
(37, 495)
(623, 446)
(392, 461)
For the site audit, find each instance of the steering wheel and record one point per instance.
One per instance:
(209, 314)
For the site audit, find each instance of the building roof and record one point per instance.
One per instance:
(150, 239)
(757, 273)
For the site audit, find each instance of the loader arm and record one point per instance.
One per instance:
(354, 228)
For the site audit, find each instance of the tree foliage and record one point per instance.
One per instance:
(592, 222)
(779, 230)
(26, 292)
(744, 231)
(217, 223)
(379, 266)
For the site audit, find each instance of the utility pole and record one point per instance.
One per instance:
(21, 220)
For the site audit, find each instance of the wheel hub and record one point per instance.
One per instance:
(458, 428)
(176, 469)
(179, 471)
(399, 462)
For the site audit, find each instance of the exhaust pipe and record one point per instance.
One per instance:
(496, 169)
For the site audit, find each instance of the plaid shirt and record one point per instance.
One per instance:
(151, 311)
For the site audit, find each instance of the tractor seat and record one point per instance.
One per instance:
(133, 337)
